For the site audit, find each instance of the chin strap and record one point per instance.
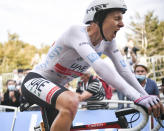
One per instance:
(101, 16)
(101, 31)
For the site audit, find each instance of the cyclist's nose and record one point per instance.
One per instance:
(121, 24)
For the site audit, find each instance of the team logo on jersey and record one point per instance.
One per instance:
(83, 43)
(99, 53)
(35, 85)
(78, 67)
(115, 51)
(93, 57)
(123, 63)
(54, 52)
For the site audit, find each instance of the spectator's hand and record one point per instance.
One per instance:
(84, 96)
(152, 103)
(11, 94)
(2, 97)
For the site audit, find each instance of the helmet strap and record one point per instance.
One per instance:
(101, 31)
(100, 17)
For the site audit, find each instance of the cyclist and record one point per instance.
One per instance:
(73, 53)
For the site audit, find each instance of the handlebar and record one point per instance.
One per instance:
(142, 123)
(145, 117)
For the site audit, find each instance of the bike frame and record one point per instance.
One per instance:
(96, 126)
(121, 124)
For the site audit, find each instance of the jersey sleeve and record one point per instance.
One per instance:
(123, 67)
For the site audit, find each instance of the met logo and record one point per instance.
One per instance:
(123, 63)
(97, 7)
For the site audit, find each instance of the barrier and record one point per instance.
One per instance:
(14, 116)
(25, 121)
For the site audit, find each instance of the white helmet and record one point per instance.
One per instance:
(100, 5)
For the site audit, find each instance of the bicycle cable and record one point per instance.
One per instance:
(159, 121)
(132, 118)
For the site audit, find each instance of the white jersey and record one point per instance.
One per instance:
(73, 53)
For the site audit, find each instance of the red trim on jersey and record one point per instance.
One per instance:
(65, 71)
(140, 99)
(52, 91)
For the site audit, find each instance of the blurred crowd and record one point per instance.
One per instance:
(11, 94)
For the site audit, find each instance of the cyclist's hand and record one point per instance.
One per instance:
(152, 103)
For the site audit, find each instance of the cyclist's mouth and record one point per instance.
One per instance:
(114, 34)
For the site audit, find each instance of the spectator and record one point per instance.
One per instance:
(79, 88)
(90, 89)
(1, 95)
(121, 97)
(19, 77)
(149, 85)
(11, 96)
(26, 71)
(130, 54)
(68, 86)
(21, 74)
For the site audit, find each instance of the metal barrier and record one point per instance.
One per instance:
(15, 114)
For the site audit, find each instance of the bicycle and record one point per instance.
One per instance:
(121, 124)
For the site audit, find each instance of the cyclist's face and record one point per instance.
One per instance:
(112, 24)
(140, 70)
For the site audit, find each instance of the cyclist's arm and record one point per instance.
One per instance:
(78, 41)
(106, 72)
(123, 68)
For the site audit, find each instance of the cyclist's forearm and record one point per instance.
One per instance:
(130, 78)
(124, 70)
(111, 76)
